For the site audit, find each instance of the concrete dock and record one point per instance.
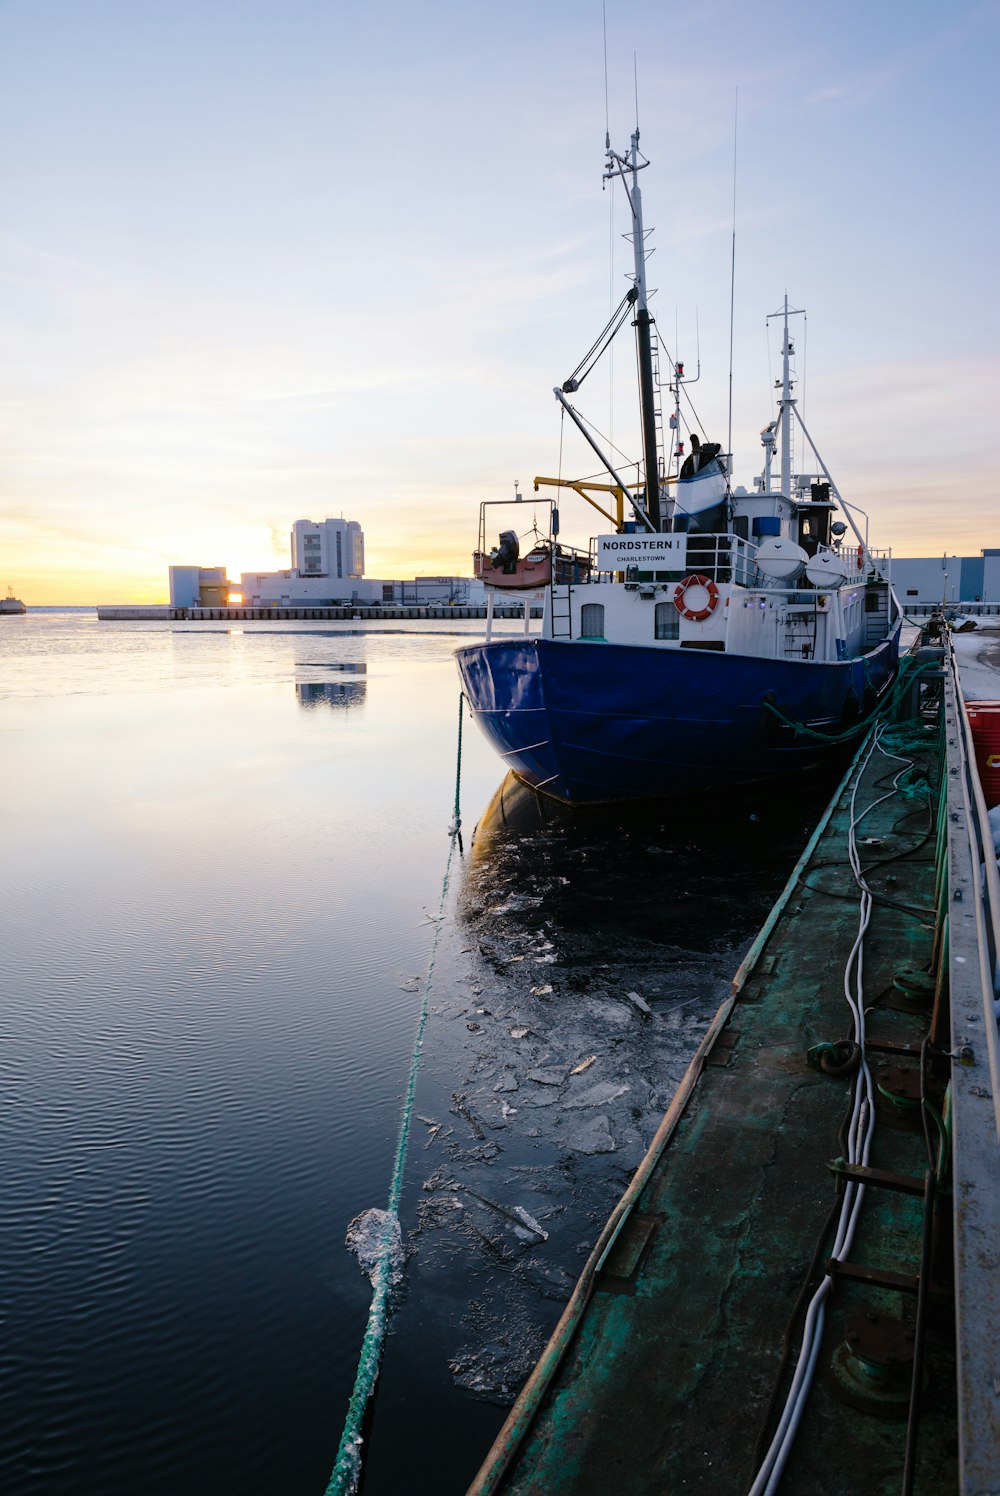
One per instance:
(163, 613)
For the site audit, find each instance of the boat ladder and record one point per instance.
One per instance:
(562, 611)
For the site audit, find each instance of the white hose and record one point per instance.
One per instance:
(860, 1134)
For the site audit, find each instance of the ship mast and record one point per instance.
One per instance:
(629, 167)
(786, 403)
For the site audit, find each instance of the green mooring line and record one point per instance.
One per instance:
(347, 1469)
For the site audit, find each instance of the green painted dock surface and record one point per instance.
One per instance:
(680, 1363)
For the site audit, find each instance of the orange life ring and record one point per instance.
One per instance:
(680, 602)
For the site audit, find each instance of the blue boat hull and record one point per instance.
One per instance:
(587, 723)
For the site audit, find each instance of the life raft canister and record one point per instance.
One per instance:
(695, 615)
(861, 556)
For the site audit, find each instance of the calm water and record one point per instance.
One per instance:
(221, 848)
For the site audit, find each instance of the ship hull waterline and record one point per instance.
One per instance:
(593, 723)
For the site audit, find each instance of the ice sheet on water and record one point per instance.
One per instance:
(372, 1235)
(506, 1349)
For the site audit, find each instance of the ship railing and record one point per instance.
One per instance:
(853, 558)
(967, 944)
(724, 558)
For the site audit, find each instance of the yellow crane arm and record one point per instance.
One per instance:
(585, 489)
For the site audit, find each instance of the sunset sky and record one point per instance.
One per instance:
(262, 263)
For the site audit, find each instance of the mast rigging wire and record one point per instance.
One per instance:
(629, 461)
(601, 342)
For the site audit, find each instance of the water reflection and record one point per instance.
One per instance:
(347, 688)
(693, 874)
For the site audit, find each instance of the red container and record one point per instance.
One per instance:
(984, 719)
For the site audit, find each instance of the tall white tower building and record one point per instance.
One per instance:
(332, 548)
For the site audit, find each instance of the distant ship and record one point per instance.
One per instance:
(11, 604)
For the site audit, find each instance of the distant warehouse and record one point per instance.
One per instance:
(948, 579)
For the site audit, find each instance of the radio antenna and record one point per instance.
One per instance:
(607, 114)
(732, 300)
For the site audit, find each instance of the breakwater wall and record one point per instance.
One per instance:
(121, 613)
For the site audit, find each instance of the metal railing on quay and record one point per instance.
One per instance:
(967, 942)
(966, 800)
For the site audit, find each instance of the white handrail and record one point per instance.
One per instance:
(987, 905)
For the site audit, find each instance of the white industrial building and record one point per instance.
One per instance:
(290, 589)
(199, 587)
(948, 579)
(332, 548)
(328, 568)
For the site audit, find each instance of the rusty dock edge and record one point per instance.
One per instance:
(669, 1366)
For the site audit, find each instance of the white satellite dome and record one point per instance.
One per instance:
(827, 569)
(780, 560)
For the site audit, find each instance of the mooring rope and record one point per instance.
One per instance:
(889, 702)
(456, 824)
(347, 1469)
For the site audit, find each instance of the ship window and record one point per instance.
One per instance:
(592, 621)
(913, 591)
(668, 622)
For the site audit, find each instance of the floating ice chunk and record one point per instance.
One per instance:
(531, 1223)
(601, 1093)
(544, 1096)
(640, 1003)
(607, 1014)
(516, 903)
(519, 1033)
(549, 1075)
(374, 1236)
(593, 1137)
(542, 991)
